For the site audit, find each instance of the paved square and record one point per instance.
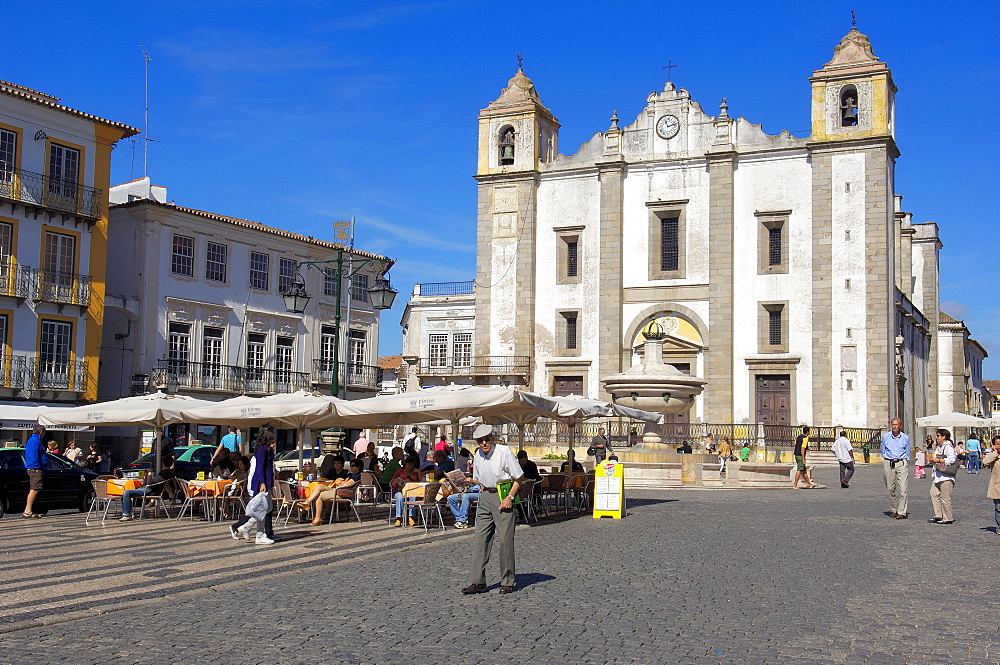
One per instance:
(712, 576)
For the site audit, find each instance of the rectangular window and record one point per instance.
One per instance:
(260, 264)
(178, 348)
(571, 341)
(462, 349)
(64, 171)
(8, 155)
(358, 342)
(572, 266)
(327, 343)
(215, 262)
(54, 354)
(359, 288)
(6, 248)
(284, 361)
(774, 246)
(669, 244)
(256, 352)
(438, 347)
(286, 274)
(330, 282)
(774, 327)
(58, 264)
(211, 357)
(182, 258)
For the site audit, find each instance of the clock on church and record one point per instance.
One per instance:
(668, 126)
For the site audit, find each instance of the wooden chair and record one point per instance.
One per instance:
(101, 492)
(427, 505)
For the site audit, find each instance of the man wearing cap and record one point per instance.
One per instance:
(493, 464)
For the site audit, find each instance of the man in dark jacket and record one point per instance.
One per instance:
(599, 446)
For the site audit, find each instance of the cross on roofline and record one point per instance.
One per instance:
(670, 65)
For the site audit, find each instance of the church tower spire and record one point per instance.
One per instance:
(853, 96)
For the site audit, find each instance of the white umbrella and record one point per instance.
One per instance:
(301, 410)
(154, 410)
(25, 416)
(956, 420)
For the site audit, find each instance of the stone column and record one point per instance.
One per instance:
(719, 355)
(612, 176)
(821, 376)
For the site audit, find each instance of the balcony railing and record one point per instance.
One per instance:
(16, 281)
(210, 377)
(54, 375)
(41, 190)
(445, 289)
(352, 375)
(477, 365)
(14, 372)
(62, 287)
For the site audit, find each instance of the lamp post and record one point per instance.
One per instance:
(381, 295)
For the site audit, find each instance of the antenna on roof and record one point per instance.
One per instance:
(145, 130)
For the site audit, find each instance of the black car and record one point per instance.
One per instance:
(188, 461)
(66, 484)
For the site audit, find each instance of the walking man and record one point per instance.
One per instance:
(599, 447)
(34, 464)
(973, 449)
(494, 464)
(845, 456)
(801, 470)
(895, 451)
(233, 441)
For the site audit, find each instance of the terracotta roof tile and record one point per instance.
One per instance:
(390, 362)
(992, 385)
(944, 318)
(42, 99)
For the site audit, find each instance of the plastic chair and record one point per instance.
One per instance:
(234, 494)
(351, 501)
(290, 500)
(159, 499)
(101, 491)
(195, 495)
(526, 493)
(556, 487)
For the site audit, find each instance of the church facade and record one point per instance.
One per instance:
(783, 269)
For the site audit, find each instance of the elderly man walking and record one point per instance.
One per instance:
(493, 465)
(895, 461)
(845, 457)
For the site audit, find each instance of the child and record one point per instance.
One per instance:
(921, 462)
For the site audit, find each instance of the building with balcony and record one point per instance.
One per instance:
(439, 328)
(195, 300)
(55, 166)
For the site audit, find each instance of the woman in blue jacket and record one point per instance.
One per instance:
(261, 480)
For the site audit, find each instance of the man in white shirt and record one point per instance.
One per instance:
(493, 464)
(845, 455)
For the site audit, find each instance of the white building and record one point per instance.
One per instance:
(960, 366)
(195, 297)
(783, 269)
(54, 174)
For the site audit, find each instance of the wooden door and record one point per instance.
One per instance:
(567, 385)
(774, 399)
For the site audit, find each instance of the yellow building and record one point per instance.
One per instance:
(55, 166)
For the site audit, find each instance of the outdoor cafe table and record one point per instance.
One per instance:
(211, 488)
(117, 486)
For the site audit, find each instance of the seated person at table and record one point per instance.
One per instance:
(577, 467)
(338, 472)
(408, 474)
(223, 464)
(442, 464)
(369, 459)
(530, 472)
(460, 504)
(340, 487)
(154, 487)
(391, 467)
(240, 475)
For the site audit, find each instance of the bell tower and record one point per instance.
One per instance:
(517, 135)
(853, 96)
(516, 132)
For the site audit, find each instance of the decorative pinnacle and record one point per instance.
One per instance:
(854, 18)
(653, 331)
(724, 107)
(614, 120)
(520, 60)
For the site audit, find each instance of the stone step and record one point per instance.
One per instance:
(821, 458)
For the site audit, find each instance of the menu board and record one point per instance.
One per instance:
(609, 490)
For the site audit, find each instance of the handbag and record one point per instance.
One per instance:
(947, 469)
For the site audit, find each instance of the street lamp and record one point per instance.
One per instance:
(381, 296)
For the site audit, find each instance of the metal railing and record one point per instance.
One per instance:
(477, 366)
(14, 372)
(41, 190)
(53, 375)
(352, 375)
(445, 289)
(232, 379)
(16, 281)
(62, 287)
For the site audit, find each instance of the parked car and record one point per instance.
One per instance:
(66, 484)
(188, 461)
(289, 459)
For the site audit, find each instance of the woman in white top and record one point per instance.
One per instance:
(942, 484)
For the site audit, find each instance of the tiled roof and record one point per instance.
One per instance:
(249, 224)
(40, 98)
(390, 362)
(944, 318)
(992, 385)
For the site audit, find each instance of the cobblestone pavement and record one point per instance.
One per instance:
(712, 576)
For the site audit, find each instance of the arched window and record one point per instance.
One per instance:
(506, 145)
(848, 106)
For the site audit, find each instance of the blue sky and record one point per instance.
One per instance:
(296, 114)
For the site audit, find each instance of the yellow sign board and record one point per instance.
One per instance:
(609, 490)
